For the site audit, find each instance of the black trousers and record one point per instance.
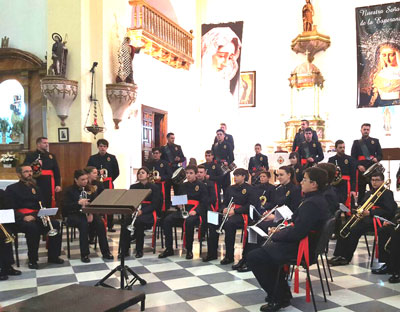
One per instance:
(265, 262)
(391, 256)
(345, 247)
(362, 185)
(212, 241)
(260, 241)
(79, 220)
(6, 255)
(33, 230)
(168, 185)
(142, 222)
(231, 225)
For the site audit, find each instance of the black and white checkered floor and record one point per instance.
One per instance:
(176, 284)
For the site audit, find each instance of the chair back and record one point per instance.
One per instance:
(326, 233)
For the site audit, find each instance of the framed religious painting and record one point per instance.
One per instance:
(247, 89)
(63, 135)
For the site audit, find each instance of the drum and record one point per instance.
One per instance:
(178, 176)
(232, 167)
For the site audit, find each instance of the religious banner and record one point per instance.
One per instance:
(220, 57)
(378, 55)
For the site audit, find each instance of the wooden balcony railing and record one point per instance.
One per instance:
(159, 36)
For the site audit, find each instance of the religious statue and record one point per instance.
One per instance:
(308, 12)
(126, 54)
(59, 54)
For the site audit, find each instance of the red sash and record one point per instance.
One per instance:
(26, 210)
(163, 194)
(302, 251)
(348, 200)
(245, 223)
(109, 179)
(53, 186)
(361, 158)
(303, 162)
(153, 240)
(377, 223)
(195, 204)
(215, 209)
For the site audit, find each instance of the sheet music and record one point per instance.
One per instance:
(343, 208)
(283, 212)
(7, 216)
(47, 212)
(253, 232)
(179, 200)
(212, 217)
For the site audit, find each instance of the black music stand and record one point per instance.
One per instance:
(114, 201)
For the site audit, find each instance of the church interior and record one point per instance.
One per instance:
(133, 71)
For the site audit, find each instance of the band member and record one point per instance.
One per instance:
(197, 200)
(76, 197)
(257, 163)
(107, 166)
(214, 174)
(294, 159)
(98, 187)
(173, 154)
(265, 202)
(6, 254)
(385, 207)
(300, 135)
(389, 249)
(310, 151)
(223, 154)
(145, 216)
(25, 198)
(49, 180)
(228, 137)
(164, 174)
(347, 186)
(284, 244)
(367, 151)
(242, 195)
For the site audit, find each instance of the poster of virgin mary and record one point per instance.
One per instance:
(378, 55)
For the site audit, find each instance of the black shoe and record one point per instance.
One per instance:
(33, 265)
(13, 272)
(382, 270)
(244, 268)
(125, 256)
(189, 255)
(239, 264)
(226, 260)
(139, 254)
(271, 306)
(166, 253)
(394, 279)
(3, 276)
(112, 230)
(108, 256)
(85, 259)
(56, 261)
(92, 241)
(209, 258)
(338, 261)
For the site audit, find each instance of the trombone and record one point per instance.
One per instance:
(8, 239)
(226, 216)
(345, 231)
(47, 222)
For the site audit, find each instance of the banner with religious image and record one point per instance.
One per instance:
(378, 55)
(220, 57)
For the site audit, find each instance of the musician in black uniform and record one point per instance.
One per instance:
(346, 188)
(242, 195)
(389, 249)
(6, 253)
(24, 197)
(308, 218)
(173, 154)
(107, 165)
(196, 206)
(366, 151)
(310, 151)
(257, 163)
(214, 174)
(385, 207)
(76, 197)
(223, 154)
(228, 137)
(300, 136)
(49, 180)
(146, 215)
(294, 159)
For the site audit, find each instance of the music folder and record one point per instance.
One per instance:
(116, 201)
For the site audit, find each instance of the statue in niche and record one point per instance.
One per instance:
(308, 12)
(59, 54)
(126, 54)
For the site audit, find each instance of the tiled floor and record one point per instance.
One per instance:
(176, 284)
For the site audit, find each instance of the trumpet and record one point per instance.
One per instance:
(8, 238)
(104, 175)
(279, 227)
(266, 216)
(131, 227)
(226, 216)
(184, 213)
(345, 231)
(47, 222)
